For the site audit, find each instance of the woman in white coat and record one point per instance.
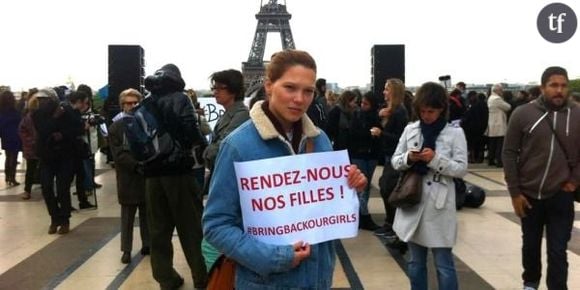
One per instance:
(438, 151)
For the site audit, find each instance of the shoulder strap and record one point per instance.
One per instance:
(549, 120)
(309, 145)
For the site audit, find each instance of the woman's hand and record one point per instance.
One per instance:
(356, 179)
(426, 155)
(301, 252)
(413, 156)
(385, 113)
(376, 131)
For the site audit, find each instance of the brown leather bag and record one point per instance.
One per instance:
(408, 190)
(222, 275)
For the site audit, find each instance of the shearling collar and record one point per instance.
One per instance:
(267, 130)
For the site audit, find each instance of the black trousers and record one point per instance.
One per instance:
(494, 150)
(476, 147)
(79, 176)
(58, 204)
(556, 215)
(174, 202)
(10, 165)
(387, 183)
(128, 212)
(31, 169)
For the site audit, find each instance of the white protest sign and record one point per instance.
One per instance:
(303, 197)
(212, 110)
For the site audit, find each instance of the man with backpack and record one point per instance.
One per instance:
(171, 190)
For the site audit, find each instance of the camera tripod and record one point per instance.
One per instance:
(86, 171)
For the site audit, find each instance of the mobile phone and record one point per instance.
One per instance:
(414, 150)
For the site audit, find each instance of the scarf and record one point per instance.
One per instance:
(296, 128)
(430, 132)
(456, 100)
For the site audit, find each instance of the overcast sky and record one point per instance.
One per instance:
(46, 42)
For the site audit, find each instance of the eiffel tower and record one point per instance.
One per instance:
(273, 17)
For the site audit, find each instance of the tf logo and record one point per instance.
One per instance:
(557, 22)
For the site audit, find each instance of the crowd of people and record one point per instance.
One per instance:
(434, 133)
(57, 136)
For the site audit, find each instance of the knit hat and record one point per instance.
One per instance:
(47, 93)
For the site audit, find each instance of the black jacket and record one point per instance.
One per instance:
(393, 130)
(361, 144)
(58, 135)
(176, 115)
(474, 122)
(318, 112)
(338, 127)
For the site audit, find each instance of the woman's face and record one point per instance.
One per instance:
(388, 92)
(222, 95)
(291, 95)
(365, 105)
(429, 115)
(129, 102)
(352, 105)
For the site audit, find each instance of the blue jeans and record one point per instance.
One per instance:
(89, 182)
(367, 167)
(417, 267)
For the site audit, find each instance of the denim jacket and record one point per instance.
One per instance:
(260, 265)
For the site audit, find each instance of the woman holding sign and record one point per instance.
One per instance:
(438, 151)
(277, 127)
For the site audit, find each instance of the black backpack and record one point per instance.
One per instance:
(147, 139)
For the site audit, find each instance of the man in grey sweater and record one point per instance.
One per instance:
(541, 158)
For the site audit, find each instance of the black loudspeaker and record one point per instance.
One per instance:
(126, 70)
(387, 61)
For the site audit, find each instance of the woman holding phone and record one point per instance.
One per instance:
(437, 151)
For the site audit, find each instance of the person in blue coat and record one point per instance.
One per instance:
(277, 127)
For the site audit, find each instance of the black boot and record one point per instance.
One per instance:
(367, 223)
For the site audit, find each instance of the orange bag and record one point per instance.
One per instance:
(222, 275)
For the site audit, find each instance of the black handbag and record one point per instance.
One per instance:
(408, 191)
(570, 164)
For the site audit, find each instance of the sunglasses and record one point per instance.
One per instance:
(218, 88)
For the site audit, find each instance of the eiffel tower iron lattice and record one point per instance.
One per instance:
(273, 17)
